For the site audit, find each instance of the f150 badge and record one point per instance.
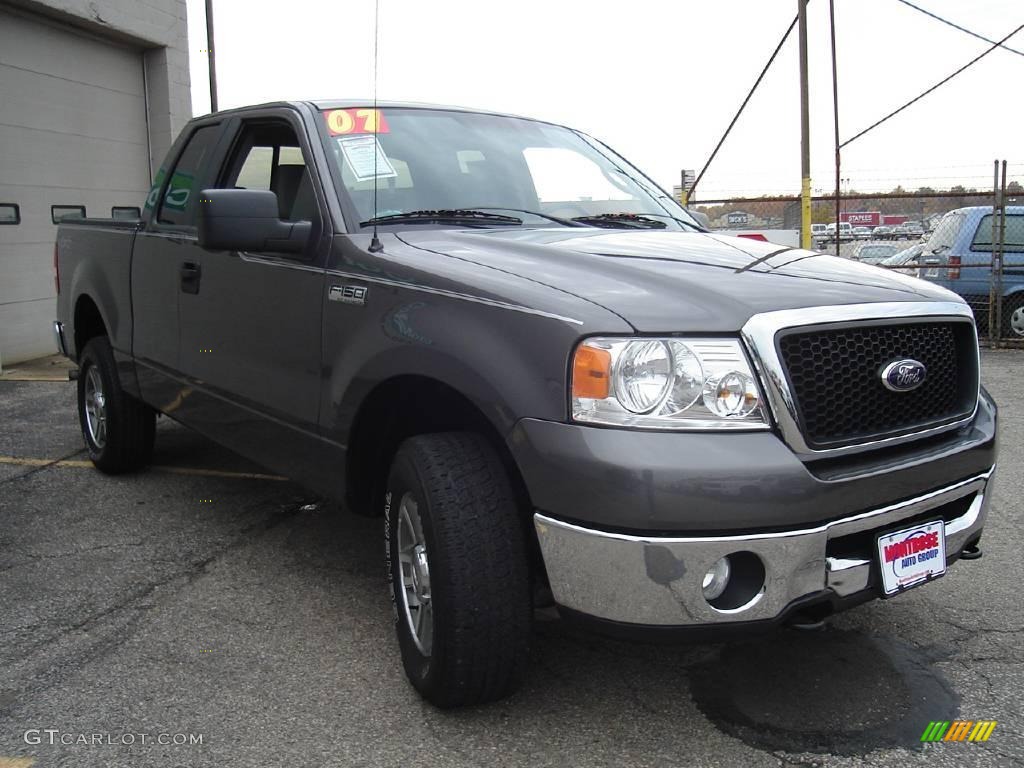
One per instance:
(348, 294)
(903, 375)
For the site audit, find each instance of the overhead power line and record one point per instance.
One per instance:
(739, 111)
(939, 84)
(935, 16)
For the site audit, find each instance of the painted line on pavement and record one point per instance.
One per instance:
(195, 471)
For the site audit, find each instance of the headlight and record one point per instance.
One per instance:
(666, 383)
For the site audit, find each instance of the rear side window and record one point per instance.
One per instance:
(178, 205)
(1014, 240)
(945, 232)
(10, 213)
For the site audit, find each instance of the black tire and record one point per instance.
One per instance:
(478, 583)
(129, 426)
(1013, 327)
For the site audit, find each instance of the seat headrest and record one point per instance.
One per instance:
(289, 178)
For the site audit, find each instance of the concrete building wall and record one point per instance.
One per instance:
(92, 94)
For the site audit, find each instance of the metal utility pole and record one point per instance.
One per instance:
(835, 112)
(805, 134)
(210, 55)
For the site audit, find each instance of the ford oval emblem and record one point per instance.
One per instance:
(903, 375)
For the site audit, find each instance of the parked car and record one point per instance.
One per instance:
(845, 232)
(909, 255)
(872, 253)
(548, 380)
(862, 233)
(882, 232)
(958, 256)
(819, 234)
(911, 230)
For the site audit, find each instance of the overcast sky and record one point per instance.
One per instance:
(657, 79)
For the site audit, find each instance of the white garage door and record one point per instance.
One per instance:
(72, 133)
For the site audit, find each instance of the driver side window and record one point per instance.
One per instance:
(268, 156)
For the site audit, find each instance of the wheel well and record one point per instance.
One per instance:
(403, 407)
(88, 323)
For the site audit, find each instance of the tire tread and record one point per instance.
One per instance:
(482, 583)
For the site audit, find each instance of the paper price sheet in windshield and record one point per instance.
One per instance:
(366, 157)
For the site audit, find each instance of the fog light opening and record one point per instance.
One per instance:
(735, 582)
(716, 579)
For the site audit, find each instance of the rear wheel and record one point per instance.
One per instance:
(119, 431)
(1013, 316)
(458, 569)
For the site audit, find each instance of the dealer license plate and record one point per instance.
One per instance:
(912, 556)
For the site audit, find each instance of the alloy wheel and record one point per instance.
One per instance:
(414, 566)
(95, 407)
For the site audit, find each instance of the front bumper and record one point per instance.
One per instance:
(657, 581)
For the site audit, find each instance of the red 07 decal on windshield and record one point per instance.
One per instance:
(354, 121)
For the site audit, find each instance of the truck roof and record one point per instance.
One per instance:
(322, 104)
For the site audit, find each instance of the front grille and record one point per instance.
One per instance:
(835, 377)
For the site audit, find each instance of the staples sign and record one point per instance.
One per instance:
(863, 218)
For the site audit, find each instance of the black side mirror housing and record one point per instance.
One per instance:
(248, 220)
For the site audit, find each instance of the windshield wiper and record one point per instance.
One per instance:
(455, 215)
(621, 220)
(548, 216)
(624, 217)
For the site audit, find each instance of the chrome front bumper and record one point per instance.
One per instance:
(658, 581)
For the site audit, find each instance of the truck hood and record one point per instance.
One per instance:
(677, 281)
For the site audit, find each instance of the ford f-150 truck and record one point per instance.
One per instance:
(550, 380)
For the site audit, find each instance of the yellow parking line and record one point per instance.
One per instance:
(28, 462)
(16, 762)
(216, 473)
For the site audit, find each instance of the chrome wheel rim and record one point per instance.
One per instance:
(414, 571)
(95, 407)
(1017, 321)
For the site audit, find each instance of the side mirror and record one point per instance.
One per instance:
(248, 220)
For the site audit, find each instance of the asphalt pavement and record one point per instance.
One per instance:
(204, 601)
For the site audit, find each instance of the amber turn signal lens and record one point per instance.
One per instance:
(591, 372)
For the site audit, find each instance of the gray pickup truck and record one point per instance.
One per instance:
(551, 381)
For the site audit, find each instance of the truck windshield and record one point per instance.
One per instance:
(424, 160)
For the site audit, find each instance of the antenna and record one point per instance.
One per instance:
(375, 244)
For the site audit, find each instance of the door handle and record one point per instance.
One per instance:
(190, 275)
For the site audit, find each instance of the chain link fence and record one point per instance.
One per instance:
(968, 240)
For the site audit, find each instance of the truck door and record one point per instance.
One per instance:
(158, 255)
(251, 322)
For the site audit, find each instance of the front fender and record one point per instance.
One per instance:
(511, 365)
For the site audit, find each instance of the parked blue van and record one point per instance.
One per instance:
(958, 256)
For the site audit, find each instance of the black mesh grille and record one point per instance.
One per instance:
(835, 376)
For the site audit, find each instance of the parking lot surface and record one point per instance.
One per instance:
(204, 597)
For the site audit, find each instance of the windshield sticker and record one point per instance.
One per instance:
(366, 157)
(342, 122)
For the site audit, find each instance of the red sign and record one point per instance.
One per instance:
(893, 220)
(862, 218)
(913, 545)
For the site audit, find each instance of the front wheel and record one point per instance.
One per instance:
(457, 564)
(119, 430)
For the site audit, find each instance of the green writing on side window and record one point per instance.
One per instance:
(155, 189)
(178, 191)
